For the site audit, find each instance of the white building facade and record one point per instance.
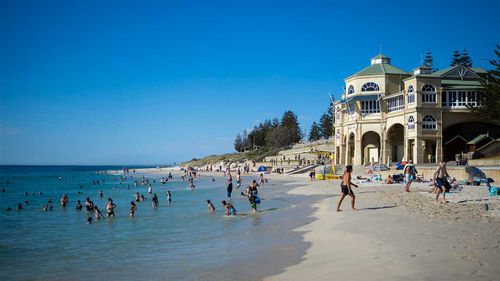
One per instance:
(388, 114)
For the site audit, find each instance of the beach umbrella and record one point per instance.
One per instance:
(474, 172)
(261, 169)
(380, 167)
(400, 165)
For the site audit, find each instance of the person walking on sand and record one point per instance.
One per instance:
(410, 174)
(346, 189)
(440, 182)
(323, 171)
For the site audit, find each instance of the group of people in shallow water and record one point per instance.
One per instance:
(251, 193)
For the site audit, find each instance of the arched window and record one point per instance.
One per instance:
(428, 88)
(429, 122)
(370, 87)
(411, 122)
(429, 93)
(350, 90)
(411, 94)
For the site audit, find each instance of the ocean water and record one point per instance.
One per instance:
(177, 241)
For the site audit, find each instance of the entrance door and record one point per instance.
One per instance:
(373, 155)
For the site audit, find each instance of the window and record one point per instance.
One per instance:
(429, 123)
(428, 93)
(411, 122)
(370, 87)
(460, 99)
(395, 103)
(350, 90)
(411, 94)
(352, 109)
(370, 106)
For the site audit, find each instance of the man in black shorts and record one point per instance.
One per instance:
(346, 188)
(442, 185)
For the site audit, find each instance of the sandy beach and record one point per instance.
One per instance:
(394, 235)
(397, 236)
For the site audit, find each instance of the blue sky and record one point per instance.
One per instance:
(140, 82)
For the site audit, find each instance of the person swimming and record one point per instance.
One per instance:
(89, 220)
(169, 196)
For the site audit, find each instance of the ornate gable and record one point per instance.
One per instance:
(460, 72)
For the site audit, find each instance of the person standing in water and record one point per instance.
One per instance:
(98, 214)
(169, 196)
(229, 187)
(211, 208)
(346, 188)
(154, 201)
(89, 205)
(110, 208)
(238, 179)
(79, 206)
(230, 210)
(133, 208)
(64, 201)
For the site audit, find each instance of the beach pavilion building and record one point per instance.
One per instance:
(388, 114)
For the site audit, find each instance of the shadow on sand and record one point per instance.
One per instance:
(378, 208)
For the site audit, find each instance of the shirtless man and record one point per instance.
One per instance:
(440, 181)
(346, 188)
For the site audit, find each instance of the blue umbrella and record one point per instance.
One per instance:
(379, 167)
(474, 172)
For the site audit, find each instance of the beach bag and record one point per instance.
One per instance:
(494, 191)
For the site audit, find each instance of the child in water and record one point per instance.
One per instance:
(98, 214)
(79, 206)
(230, 210)
(211, 207)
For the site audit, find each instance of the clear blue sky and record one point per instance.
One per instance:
(139, 82)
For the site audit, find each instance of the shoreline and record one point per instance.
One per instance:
(394, 235)
(397, 236)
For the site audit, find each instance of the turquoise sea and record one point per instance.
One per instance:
(176, 241)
